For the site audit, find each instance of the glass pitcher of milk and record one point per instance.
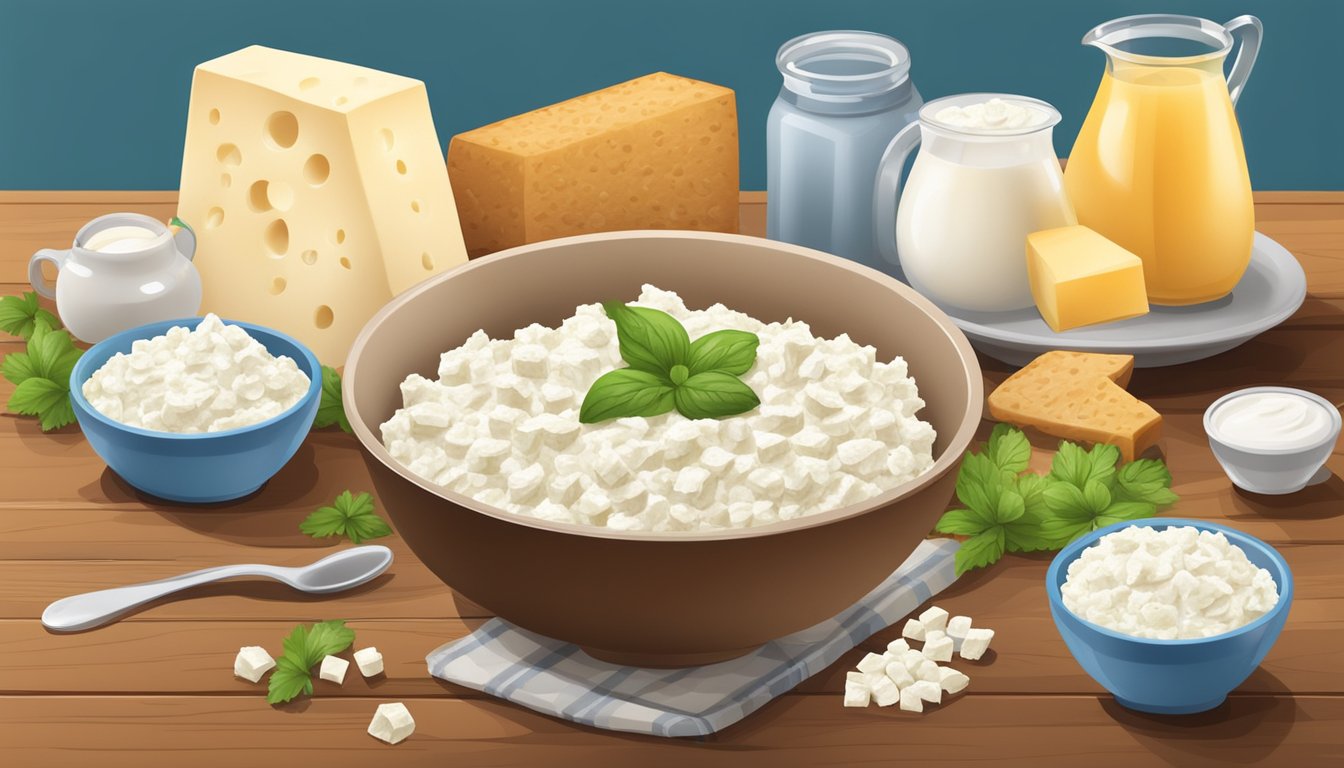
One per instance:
(845, 95)
(986, 176)
(123, 270)
(1158, 166)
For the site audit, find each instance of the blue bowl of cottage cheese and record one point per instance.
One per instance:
(196, 410)
(1169, 615)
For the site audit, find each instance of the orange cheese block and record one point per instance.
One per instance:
(657, 152)
(1079, 396)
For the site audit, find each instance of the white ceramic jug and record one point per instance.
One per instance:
(974, 194)
(123, 270)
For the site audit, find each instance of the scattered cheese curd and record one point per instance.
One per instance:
(333, 669)
(392, 723)
(252, 662)
(369, 661)
(912, 677)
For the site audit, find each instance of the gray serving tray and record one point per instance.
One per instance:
(1272, 289)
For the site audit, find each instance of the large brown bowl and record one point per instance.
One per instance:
(667, 599)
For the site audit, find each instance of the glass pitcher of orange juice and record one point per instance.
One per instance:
(1158, 166)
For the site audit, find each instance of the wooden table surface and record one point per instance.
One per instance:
(157, 689)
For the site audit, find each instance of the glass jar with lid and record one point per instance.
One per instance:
(846, 94)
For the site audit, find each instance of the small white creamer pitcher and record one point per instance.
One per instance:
(123, 270)
(960, 229)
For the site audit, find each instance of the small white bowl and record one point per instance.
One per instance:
(1273, 471)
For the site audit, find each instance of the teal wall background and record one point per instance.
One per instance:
(93, 93)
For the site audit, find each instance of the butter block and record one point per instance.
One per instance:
(1080, 278)
(656, 152)
(1079, 396)
(316, 190)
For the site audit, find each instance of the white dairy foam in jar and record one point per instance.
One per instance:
(993, 115)
(1272, 421)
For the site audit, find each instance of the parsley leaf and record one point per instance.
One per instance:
(20, 315)
(304, 648)
(331, 409)
(961, 522)
(1008, 449)
(1077, 466)
(1009, 509)
(288, 681)
(980, 550)
(1145, 480)
(350, 516)
(41, 376)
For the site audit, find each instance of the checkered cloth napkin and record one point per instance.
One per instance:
(558, 679)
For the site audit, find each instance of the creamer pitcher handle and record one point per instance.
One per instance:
(1249, 30)
(39, 280)
(886, 192)
(184, 237)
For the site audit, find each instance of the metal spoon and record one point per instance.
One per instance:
(333, 573)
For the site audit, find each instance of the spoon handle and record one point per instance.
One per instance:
(93, 609)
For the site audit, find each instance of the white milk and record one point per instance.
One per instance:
(123, 239)
(961, 229)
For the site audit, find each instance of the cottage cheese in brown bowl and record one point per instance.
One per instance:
(501, 424)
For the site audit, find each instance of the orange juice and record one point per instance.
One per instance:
(1158, 168)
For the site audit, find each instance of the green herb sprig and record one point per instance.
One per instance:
(41, 376)
(350, 516)
(667, 371)
(1008, 509)
(331, 408)
(20, 316)
(304, 648)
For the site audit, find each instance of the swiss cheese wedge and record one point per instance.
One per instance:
(317, 192)
(1079, 396)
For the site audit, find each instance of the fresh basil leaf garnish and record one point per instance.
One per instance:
(727, 351)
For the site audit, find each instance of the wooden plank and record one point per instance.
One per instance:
(1045, 732)
(407, 590)
(179, 657)
(204, 625)
(87, 196)
(1308, 224)
(747, 196)
(191, 654)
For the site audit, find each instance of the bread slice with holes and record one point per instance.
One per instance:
(317, 191)
(656, 152)
(1079, 396)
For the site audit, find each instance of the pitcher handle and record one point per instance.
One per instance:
(1249, 30)
(184, 237)
(886, 191)
(39, 280)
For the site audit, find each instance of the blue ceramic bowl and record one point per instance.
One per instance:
(1171, 676)
(197, 468)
